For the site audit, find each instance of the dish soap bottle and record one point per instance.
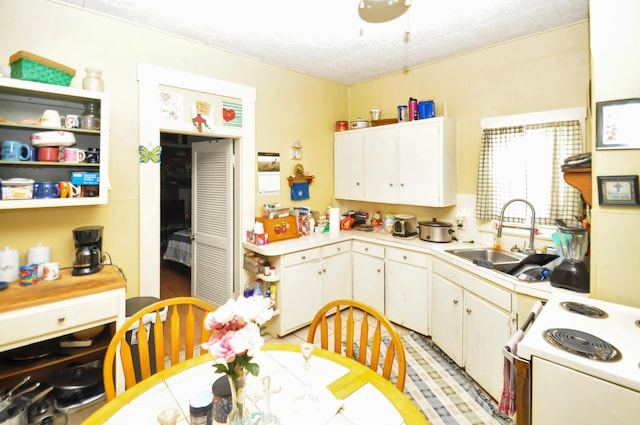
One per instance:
(258, 291)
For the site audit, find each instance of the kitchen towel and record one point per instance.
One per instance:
(508, 400)
(300, 191)
(334, 220)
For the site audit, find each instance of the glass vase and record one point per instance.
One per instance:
(239, 414)
(93, 80)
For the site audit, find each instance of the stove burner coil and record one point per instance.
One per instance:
(582, 344)
(584, 309)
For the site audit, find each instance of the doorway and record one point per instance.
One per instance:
(151, 80)
(175, 215)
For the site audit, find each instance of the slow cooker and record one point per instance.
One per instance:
(435, 231)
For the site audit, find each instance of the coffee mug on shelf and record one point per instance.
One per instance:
(49, 154)
(12, 150)
(34, 154)
(46, 190)
(50, 118)
(89, 191)
(28, 274)
(72, 155)
(93, 155)
(68, 190)
(50, 271)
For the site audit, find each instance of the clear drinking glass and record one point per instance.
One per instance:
(307, 401)
(267, 417)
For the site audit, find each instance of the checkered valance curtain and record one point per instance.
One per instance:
(525, 162)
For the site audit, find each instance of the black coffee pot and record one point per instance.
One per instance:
(88, 240)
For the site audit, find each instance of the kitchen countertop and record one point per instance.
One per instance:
(542, 290)
(67, 286)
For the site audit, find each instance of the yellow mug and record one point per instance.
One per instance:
(68, 190)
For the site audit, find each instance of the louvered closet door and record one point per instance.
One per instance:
(212, 221)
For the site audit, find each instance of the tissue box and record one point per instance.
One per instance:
(257, 239)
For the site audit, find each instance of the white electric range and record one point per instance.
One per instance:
(585, 362)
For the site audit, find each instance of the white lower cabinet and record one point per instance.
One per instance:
(446, 316)
(310, 279)
(336, 272)
(368, 274)
(486, 330)
(407, 289)
(300, 293)
(471, 321)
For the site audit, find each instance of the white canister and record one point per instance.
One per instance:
(9, 264)
(38, 254)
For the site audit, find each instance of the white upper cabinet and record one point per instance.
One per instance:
(347, 154)
(412, 163)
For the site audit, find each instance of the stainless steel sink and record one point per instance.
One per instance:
(489, 255)
(510, 263)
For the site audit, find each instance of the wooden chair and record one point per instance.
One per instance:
(370, 318)
(184, 324)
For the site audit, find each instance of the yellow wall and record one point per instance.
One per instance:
(289, 106)
(537, 73)
(615, 67)
(545, 71)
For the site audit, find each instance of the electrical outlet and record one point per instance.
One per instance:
(462, 223)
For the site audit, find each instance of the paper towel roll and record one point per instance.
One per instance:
(334, 220)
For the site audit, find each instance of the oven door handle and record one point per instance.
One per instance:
(506, 352)
(513, 342)
(535, 311)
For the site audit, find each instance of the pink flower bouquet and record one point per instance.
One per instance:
(236, 333)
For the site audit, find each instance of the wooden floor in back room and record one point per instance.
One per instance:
(175, 280)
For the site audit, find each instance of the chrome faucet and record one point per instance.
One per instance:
(531, 249)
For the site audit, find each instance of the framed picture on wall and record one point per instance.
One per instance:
(618, 190)
(618, 124)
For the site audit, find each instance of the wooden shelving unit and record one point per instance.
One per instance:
(580, 178)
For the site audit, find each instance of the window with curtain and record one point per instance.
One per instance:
(525, 162)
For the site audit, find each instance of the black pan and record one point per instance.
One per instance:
(535, 259)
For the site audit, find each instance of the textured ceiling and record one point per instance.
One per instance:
(327, 38)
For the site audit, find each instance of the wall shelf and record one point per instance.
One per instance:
(580, 178)
(292, 180)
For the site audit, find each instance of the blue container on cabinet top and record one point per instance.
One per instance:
(426, 109)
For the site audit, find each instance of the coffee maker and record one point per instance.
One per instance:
(88, 241)
(572, 273)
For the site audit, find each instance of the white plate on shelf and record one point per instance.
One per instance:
(53, 138)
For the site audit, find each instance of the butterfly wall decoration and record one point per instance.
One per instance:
(154, 155)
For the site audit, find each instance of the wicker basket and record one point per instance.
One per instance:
(31, 67)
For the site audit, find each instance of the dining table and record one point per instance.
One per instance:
(348, 391)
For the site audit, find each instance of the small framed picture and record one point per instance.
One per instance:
(618, 190)
(618, 124)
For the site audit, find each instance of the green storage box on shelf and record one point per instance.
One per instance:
(31, 67)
